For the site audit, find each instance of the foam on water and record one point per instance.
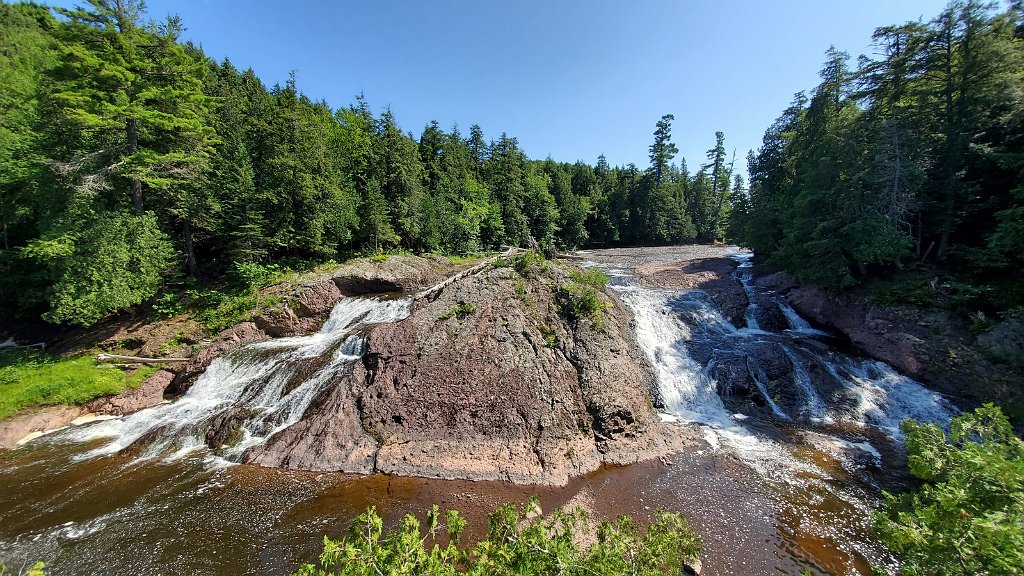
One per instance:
(262, 381)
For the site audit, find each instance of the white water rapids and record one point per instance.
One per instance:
(268, 383)
(822, 403)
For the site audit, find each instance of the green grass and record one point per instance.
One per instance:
(33, 378)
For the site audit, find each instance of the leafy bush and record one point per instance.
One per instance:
(512, 546)
(968, 517)
(531, 263)
(34, 570)
(462, 309)
(218, 310)
(169, 305)
(252, 276)
(32, 378)
(550, 336)
(590, 277)
(579, 301)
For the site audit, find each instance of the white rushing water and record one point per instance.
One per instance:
(672, 327)
(267, 384)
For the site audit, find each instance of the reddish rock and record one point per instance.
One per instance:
(509, 392)
(712, 275)
(149, 393)
(45, 418)
(866, 327)
(231, 338)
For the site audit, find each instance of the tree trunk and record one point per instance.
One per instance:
(190, 255)
(133, 146)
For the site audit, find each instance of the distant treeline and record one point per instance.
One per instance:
(916, 157)
(129, 159)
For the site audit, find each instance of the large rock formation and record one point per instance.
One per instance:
(488, 380)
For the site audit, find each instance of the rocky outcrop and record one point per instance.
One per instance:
(485, 381)
(712, 275)
(396, 274)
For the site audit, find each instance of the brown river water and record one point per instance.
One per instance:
(775, 494)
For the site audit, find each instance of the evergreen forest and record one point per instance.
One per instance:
(912, 158)
(131, 162)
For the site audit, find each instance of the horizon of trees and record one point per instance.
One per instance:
(129, 159)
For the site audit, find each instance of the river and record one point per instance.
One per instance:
(783, 483)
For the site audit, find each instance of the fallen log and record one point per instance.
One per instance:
(136, 359)
(467, 272)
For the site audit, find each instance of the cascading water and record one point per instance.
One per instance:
(267, 385)
(778, 400)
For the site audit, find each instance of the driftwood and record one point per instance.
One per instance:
(467, 272)
(10, 344)
(136, 359)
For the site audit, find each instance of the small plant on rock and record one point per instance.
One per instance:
(462, 309)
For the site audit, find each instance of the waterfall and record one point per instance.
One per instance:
(267, 385)
(686, 339)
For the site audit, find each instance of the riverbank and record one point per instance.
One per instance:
(278, 305)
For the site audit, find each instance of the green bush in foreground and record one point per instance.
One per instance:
(513, 546)
(968, 517)
(31, 377)
(34, 570)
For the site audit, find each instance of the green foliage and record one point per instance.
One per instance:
(462, 309)
(549, 334)
(34, 570)
(913, 156)
(102, 264)
(592, 277)
(219, 310)
(169, 305)
(968, 516)
(513, 545)
(252, 276)
(530, 263)
(33, 378)
(579, 301)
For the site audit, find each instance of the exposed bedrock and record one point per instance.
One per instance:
(487, 381)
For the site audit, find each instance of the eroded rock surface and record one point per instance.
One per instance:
(486, 381)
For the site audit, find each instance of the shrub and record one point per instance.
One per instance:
(579, 301)
(968, 517)
(530, 263)
(252, 275)
(462, 309)
(35, 570)
(590, 277)
(538, 546)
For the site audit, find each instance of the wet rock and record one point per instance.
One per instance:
(768, 315)
(39, 420)
(779, 282)
(866, 329)
(227, 340)
(224, 429)
(713, 275)
(330, 437)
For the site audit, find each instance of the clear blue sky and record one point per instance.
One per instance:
(572, 78)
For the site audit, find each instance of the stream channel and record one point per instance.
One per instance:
(785, 480)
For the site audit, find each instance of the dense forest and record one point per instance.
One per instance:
(130, 160)
(915, 158)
